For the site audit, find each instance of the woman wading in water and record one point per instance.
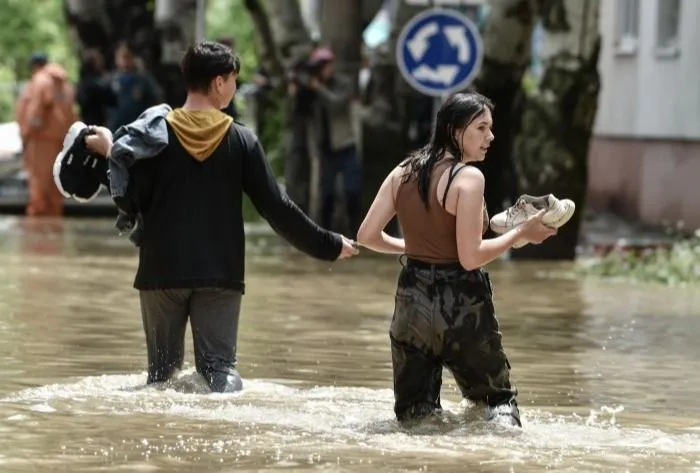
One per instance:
(444, 313)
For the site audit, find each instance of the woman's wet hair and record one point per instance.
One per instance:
(453, 118)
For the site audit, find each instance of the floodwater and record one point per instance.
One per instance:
(607, 373)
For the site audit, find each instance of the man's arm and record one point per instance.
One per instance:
(21, 112)
(277, 208)
(39, 100)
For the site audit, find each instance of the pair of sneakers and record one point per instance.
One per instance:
(78, 173)
(558, 212)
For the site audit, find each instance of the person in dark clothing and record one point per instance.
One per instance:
(298, 117)
(230, 109)
(444, 314)
(134, 90)
(189, 196)
(336, 138)
(94, 94)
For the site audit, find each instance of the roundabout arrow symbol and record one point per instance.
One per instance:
(457, 37)
(419, 44)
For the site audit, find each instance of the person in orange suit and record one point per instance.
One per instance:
(45, 111)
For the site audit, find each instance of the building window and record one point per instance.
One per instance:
(627, 33)
(667, 26)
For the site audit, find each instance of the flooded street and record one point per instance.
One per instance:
(607, 373)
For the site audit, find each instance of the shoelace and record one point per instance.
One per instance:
(514, 209)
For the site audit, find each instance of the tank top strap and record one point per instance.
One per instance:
(454, 170)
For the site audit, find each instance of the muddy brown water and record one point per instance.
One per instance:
(607, 372)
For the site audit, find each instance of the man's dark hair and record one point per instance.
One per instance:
(38, 59)
(206, 60)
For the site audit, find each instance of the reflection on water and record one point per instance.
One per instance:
(606, 373)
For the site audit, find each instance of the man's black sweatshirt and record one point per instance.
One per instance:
(190, 197)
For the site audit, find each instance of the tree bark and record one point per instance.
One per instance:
(158, 39)
(101, 24)
(391, 119)
(368, 9)
(551, 151)
(90, 26)
(175, 23)
(341, 30)
(292, 41)
(507, 40)
(266, 42)
(292, 44)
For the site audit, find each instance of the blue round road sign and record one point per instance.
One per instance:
(439, 52)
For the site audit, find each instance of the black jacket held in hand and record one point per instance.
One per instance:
(189, 197)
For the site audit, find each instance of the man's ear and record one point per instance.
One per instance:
(216, 84)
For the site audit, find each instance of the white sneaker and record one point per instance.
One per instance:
(558, 213)
(78, 174)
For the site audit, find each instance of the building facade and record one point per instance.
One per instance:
(644, 160)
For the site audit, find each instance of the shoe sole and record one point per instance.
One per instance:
(570, 209)
(68, 142)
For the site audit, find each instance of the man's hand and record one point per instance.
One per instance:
(349, 248)
(314, 83)
(99, 141)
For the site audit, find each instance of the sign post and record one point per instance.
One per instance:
(439, 52)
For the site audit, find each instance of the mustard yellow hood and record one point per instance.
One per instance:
(199, 131)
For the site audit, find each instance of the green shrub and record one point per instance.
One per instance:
(676, 265)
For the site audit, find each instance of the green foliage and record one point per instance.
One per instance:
(39, 25)
(229, 18)
(33, 25)
(29, 26)
(272, 137)
(677, 265)
(273, 144)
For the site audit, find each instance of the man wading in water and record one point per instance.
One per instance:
(180, 175)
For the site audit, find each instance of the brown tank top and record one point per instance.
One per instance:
(430, 234)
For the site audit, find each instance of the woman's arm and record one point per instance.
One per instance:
(371, 233)
(474, 251)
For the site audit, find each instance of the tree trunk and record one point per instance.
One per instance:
(507, 52)
(391, 119)
(368, 9)
(101, 24)
(292, 41)
(175, 23)
(90, 26)
(157, 39)
(341, 30)
(292, 45)
(269, 58)
(552, 149)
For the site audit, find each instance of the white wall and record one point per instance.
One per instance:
(645, 94)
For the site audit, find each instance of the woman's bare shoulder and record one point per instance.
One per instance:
(398, 173)
(471, 174)
(470, 177)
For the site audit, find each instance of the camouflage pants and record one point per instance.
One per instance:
(444, 317)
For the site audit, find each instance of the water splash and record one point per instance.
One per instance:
(328, 420)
